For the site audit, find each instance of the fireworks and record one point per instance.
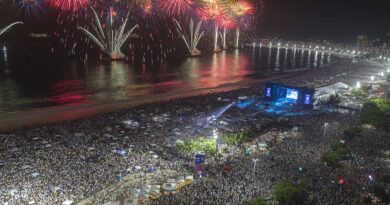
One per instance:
(240, 9)
(191, 40)
(147, 7)
(113, 39)
(29, 8)
(3, 30)
(175, 7)
(69, 5)
(219, 16)
(213, 10)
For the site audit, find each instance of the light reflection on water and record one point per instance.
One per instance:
(54, 82)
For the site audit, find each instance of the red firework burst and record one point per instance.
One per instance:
(147, 7)
(212, 10)
(69, 5)
(227, 21)
(175, 7)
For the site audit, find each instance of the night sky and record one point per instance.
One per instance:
(337, 20)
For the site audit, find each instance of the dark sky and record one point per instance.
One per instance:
(337, 20)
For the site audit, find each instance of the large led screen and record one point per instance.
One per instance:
(292, 94)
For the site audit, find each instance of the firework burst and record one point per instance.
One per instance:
(69, 5)
(228, 22)
(30, 9)
(193, 38)
(113, 39)
(240, 9)
(213, 10)
(175, 7)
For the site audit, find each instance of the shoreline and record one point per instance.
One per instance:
(39, 117)
(56, 114)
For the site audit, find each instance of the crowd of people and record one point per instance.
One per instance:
(73, 160)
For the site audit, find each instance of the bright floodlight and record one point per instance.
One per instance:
(388, 70)
(358, 85)
(372, 78)
(215, 134)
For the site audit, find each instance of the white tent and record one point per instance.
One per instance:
(189, 177)
(67, 202)
(35, 174)
(137, 167)
(332, 88)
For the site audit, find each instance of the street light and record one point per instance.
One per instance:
(323, 137)
(254, 165)
(325, 126)
(215, 136)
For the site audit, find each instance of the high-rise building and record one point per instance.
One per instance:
(362, 42)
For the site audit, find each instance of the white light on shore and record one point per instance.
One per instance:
(358, 85)
(372, 78)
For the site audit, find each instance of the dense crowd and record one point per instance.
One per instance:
(73, 160)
